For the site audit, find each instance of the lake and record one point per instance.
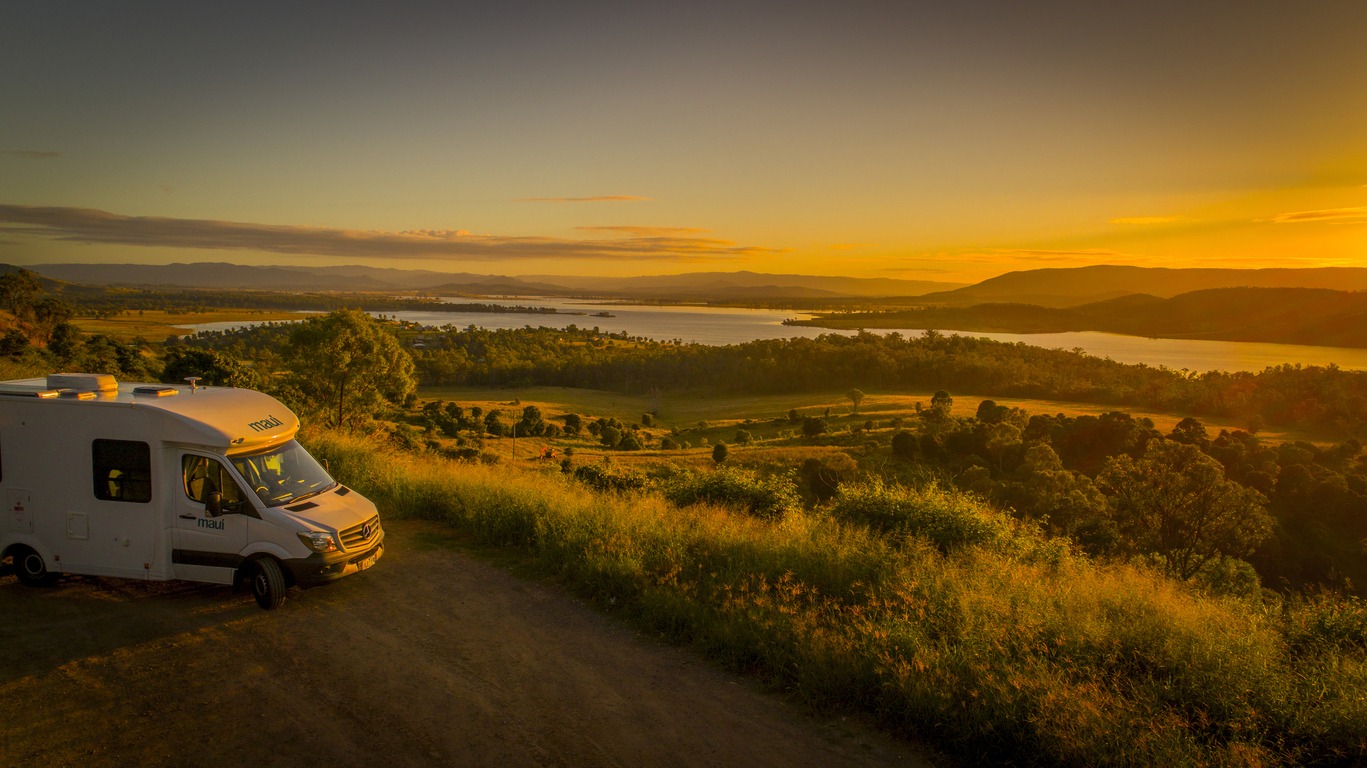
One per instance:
(725, 325)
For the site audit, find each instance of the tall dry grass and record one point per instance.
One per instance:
(964, 631)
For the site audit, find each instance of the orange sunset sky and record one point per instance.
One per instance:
(929, 141)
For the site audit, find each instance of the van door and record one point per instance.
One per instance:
(208, 546)
(115, 532)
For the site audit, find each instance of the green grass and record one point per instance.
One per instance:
(956, 626)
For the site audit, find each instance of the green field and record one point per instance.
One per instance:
(156, 325)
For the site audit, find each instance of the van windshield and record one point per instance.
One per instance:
(283, 475)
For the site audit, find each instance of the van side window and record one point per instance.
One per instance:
(204, 475)
(122, 470)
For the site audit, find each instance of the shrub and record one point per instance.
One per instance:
(764, 497)
(949, 520)
(606, 478)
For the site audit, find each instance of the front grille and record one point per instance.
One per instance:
(355, 537)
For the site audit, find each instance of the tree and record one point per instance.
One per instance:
(65, 340)
(531, 422)
(13, 343)
(720, 452)
(18, 291)
(941, 404)
(855, 397)
(905, 445)
(48, 313)
(1191, 432)
(348, 364)
(493, 423)
(213, 369)
(609, 436)
(573, 423)
(813, 426)
(1176, 503)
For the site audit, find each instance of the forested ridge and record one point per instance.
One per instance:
(1327, 399)
(1311, 316)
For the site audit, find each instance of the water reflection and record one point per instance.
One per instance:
(723, 325)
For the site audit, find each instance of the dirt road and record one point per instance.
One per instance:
(431, 658)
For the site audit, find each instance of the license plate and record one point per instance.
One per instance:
(366, 563)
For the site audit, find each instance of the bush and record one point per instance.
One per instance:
(950, 520)
(606, 478)
(764, 497)
(1322, 622)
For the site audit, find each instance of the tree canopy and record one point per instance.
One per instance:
(1175, 502)
(350, 364)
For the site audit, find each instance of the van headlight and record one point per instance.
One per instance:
(319, 541)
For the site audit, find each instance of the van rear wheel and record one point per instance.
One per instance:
(31, 569)
(268, 583)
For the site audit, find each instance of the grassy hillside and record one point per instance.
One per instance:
(953, 624)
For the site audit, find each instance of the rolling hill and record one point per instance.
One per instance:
(1083, 285)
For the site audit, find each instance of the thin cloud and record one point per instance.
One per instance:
(1148, 220)
(1328, 216)
(1005, 256)
(1040, 254)
(852, 246)
(31, 154)
(599, 199)
(634, 231)
(86, 225)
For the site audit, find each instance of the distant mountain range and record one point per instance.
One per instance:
(699, 286)
(1325, 306)
(1084, 285)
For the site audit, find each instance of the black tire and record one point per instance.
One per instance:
(267, 583)
(31, 569)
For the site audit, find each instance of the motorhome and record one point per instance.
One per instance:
(163, 481)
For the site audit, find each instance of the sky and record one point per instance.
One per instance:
(926, 141)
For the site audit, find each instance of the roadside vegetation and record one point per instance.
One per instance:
(942, 617)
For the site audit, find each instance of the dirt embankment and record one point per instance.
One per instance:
(431, 658)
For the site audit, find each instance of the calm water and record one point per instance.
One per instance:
(718, 326)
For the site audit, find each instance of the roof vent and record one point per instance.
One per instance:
(152, 390)
(76, 394)
(82, 382)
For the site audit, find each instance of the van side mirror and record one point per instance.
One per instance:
(213, 505)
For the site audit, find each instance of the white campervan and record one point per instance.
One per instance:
(160, 481)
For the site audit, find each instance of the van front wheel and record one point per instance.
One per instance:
(31, 568)
(268, 583)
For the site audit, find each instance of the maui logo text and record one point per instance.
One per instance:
(264, 424)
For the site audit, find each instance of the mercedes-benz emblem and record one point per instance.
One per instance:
(365, 530)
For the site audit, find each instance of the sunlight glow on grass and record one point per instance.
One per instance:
(957, 625)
